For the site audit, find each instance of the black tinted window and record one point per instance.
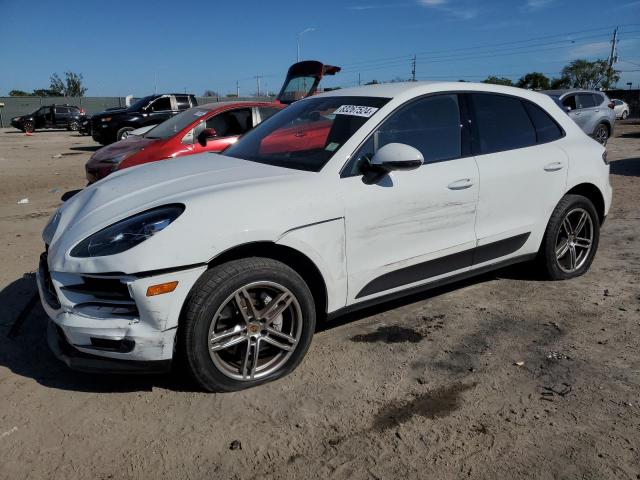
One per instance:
(585, 100)
(570, 102)
(432, 125)
(502, 123)
(183, 102)
(266, 112)
(598, 99)
(161, 104)
(547, 130)
(234, 122)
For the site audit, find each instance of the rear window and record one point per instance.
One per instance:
(547, 130)
(501, 123)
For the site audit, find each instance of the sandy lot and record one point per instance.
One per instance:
(427, 387)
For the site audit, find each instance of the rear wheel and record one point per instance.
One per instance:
(571, 239)
(601, 134)
(625, 114)
(247, 322)
(74, 126)
(124, 132)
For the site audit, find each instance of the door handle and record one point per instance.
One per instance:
(597, 109)
(460, 184)
(553, 167)
(576, 113)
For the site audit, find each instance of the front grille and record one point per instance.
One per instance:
(101, 297)
(48, 290)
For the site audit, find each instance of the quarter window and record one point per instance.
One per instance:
(183, 102)
(547, 130)
(501, 123)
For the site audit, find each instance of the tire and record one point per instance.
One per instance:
(556, 265)
(123, 133)
(73, 126)
(601, 134)
(28, 127)
(625, 114)
(217, 305)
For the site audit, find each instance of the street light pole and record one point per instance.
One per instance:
(298, 35)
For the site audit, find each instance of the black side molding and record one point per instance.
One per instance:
(443, 265)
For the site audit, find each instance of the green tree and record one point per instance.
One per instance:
(18, 93)
(559, 83)
(45, 92)
(534, 81)
(56, 86)
(74, 85)
(498, 81)
(582, 73)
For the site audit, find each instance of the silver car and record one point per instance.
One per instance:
(591, 110)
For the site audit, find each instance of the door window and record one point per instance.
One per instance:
(570, 102)
(231, 123)
(183, 102)
(547, 130)
(266, 112)
(161, 104)
(501, 123)
(585, 100)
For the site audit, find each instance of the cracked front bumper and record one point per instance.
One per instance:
(110, 318)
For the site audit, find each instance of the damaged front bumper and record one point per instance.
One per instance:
(108, 323)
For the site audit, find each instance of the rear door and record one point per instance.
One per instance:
(589, 111)
(61, 116)
(522, 173)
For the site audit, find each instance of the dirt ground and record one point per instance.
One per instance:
(428, 387)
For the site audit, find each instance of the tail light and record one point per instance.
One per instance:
(604, 158)
(611, 105)
(82, 112)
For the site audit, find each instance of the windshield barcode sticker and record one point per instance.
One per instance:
(356, 110)
(199, 113)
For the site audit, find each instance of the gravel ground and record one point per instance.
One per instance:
(502, 376)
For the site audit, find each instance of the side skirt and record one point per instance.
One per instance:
(430, 285)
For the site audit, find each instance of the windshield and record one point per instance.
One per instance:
(170, 127)
(305, 135)
(138, 104)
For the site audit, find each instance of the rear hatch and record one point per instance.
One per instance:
(302, 80)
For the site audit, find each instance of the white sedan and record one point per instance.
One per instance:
(621, 109)
(340, 201)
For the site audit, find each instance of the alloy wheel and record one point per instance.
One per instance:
(574, 240)
(602, 135)
(255, 331)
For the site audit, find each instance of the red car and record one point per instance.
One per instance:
(206, 128)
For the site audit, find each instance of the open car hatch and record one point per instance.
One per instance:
(302, 80)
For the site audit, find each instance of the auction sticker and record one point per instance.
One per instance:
(199, 113)
(356, 110)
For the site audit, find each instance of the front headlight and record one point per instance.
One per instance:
(118, 158)
(127, 233)
(106, 119)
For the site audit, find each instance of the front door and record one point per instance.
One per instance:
(412, 227)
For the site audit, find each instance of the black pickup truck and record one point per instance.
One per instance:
(115, 124)
(50, 116)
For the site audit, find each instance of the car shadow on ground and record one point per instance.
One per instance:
(91, 148)
(629, 167)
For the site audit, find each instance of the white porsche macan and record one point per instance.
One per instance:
(338, 201)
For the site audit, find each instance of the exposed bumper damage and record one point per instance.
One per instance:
(108, 323)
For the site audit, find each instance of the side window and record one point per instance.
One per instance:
(183, 102)
(266, 112)
(431, 125)
(585, 100)
(598, 99)
(570, 102)
(547, 130)
(231, 123)
(161, 104)
(501, 123)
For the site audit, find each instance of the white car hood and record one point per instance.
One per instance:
(224, 197)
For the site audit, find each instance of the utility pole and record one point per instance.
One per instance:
(413, 69)
(237, 89)
(258, 82)
(358, 79)
(613, 54)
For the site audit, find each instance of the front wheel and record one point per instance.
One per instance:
(73, 126)
(124, 133)
(571, 239)
(28, 127)
(601, 135)
(246, 322)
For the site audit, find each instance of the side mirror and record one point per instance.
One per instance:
(567, 109)
(205, 135)
(397, 156)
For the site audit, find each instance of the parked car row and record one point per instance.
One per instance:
(339, 201)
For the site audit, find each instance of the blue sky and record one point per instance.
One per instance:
(122, 46)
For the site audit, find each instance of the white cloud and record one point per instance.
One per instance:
(432, 3)
(591, 49)
(464, 13)
(538, 4)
